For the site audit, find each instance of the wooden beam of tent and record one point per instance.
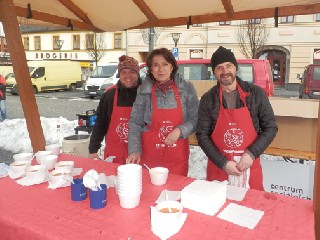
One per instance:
(76, 10)
(49, 18)
(228, 7)
(22, 75)
(144, 8)
(316, 186)
(243, 15)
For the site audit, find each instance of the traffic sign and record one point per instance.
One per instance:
(175, 52)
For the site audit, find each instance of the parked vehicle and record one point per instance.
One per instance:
(5, 70)
(310, 82)
(100, 79)
(199, 72)
(50, 75)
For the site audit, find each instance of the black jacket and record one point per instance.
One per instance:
(126, 98)
(261, 113)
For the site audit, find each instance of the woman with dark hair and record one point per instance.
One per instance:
(163, 116)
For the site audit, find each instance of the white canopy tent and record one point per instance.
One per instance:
(107, 15)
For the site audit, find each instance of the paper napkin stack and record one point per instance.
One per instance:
(204, 197)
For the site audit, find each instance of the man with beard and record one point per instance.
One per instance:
(235, 125)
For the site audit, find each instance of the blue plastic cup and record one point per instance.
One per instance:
(98, 199)
(78, 190)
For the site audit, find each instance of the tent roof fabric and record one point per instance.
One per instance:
(102, 15)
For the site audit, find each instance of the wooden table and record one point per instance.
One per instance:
(36, 212)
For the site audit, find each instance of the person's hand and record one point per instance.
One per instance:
(94, 156)
(134, 158)
(172, 137)
(231, 168)
(245, 162)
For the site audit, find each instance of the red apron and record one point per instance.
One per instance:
(233, 133)
(155, 152)
(117, 135)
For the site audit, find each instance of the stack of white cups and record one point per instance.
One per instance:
(129, 185)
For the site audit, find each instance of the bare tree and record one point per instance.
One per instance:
(94, 45)
(252, 35)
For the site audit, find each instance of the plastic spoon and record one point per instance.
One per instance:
(167, 198)
(147, 167)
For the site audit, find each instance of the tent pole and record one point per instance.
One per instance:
(21, 72)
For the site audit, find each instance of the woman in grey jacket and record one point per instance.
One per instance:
(164, 115)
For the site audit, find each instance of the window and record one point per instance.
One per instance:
(318, 17)
(38, 73)
(287, 19)
(117, 40)
(224, 23)
(76, 42)
(254, 21)
(195, 71)
(37, 43)
(89, 41)
(316, 74)
(55, 41)
(196, 25)
(26, 43)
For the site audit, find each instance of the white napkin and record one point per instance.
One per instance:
(25, 181)
(14, 176)
(76, 171)
(165, 229)
(108, 180)
(240, 215)
(236, 193)
(109, 159)
(61, 184)
(4, 168)
(172, 196)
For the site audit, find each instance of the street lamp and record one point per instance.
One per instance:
(175, 37)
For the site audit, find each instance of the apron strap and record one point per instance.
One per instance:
(241, 94)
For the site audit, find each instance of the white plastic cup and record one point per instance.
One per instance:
(58, 176)
(158, 175)
(169, 210)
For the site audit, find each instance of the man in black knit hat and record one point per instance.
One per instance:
(236, 124)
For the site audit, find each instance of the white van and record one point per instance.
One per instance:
(101, 78)
(50, 75)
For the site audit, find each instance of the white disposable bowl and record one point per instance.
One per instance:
(40, 155)
(54, 148)
(158, 175)
(49, 161)
(22, 157)
(36, 172)
(163, 209)
(130, 169)
(129, 201)
(19, 168)
(57, 176)
(68, 165)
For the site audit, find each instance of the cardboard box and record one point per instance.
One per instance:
(297, 120)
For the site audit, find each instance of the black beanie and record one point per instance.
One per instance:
(222, 55)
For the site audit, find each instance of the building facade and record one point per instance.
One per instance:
(289, 47)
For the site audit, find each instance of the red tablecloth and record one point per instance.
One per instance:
(36, 212)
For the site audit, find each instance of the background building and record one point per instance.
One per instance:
(289, 48)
